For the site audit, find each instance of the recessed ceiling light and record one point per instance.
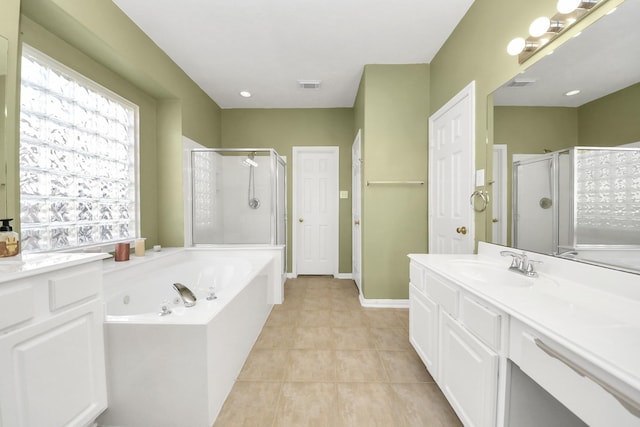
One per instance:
(572, 92)
(245, 94)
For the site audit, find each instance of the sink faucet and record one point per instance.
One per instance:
(520, 263)
(188, 297)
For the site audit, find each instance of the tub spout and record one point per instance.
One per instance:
(188, 297)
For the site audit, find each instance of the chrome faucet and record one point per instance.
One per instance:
(188, 297)
(520, 263)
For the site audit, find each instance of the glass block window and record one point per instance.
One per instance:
(78, 159)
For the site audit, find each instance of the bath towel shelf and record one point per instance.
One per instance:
(395, 182)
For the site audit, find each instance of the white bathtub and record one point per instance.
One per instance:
(177, 369)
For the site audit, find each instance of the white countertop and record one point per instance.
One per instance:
(589, 310)
(26, 265)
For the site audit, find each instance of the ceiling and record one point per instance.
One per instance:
(265, 47)
(603, 59)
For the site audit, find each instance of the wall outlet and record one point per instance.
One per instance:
(344, 194)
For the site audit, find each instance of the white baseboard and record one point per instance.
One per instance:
(384, 303)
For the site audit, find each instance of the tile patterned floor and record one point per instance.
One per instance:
(323, 360)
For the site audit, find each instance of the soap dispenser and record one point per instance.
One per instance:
(9, 239)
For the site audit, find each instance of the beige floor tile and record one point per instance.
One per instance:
(273, 337)
(316, 303)
(403, 315)
(290, 303)
(311, 365)
(307, 404)
(318, 293)
(424, 405)
(264, 365)
(250, 404)
(342, 303)
(283, 318)
(359, 365)
(391, 338)
(313, 338)
(367, 404)
(314, 318)
(358, 338)
(404, 366)
(319, 282)
(382, 318)
(348, 319)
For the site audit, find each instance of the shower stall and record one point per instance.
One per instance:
(576, 199)
(238, 197)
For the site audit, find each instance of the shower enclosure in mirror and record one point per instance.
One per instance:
(580, 201)
(238, 197)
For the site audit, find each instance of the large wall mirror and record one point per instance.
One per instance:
(4, 52)
(541, 125)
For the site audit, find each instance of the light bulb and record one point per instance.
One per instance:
(245, 94)
(516, 46)
(568, 6)
(539, 26)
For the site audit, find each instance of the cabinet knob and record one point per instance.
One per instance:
(356, 222)
(461, 230)
(494, 220)
(300, 219)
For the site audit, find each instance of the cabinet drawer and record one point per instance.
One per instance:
(74, 286)
(483, 322)
(16, 305)
(445, 295)
(416, 275)
(597, 398)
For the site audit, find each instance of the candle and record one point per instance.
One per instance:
(139, 247)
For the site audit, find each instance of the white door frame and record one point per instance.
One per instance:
(469, 91)
(335, 151)
(356, 211)
(499, 195)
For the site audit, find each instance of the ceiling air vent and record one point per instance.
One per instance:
(521, 82)
(309, 84)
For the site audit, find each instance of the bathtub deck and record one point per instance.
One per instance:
(323, 360)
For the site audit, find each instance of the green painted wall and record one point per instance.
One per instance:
(283, 129)
(392, 105)
(98, 39)
(10, 31)
(611, 120)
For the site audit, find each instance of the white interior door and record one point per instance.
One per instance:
(356, 206)
(315, 204)
(499, 202)
(451, 173)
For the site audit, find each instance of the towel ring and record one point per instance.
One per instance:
(484, 198)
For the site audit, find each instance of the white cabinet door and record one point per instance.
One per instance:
(423, 328)
(53, 371)
(468, 374)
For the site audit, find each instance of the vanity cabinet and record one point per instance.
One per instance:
(51, 348)
(459, 339)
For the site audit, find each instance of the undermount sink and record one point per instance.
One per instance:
(484, 272)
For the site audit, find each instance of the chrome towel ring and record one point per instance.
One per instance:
(484, 200)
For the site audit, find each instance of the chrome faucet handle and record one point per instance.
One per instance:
(211, 295)
(516, 258)
(530, 271)
(164, 308)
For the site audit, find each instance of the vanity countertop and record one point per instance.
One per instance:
(591, 311)
(26, 265)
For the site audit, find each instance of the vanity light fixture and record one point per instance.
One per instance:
(572, 92)
(245, 94)
(543, 30)
(539, 26)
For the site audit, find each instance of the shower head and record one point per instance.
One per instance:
(249, 160)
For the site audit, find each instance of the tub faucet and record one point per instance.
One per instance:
(520, 263)
(188, 297)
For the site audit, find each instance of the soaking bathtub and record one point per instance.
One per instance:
(177, 369)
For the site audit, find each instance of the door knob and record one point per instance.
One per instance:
(300, 219)
(356, 222)
(461, 230)
(494, 220)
